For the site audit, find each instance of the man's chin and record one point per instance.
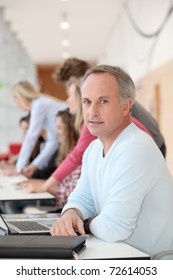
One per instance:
(93, 131)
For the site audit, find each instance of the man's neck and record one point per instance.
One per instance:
(109, 140)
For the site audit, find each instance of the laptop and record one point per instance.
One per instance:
(26, 226)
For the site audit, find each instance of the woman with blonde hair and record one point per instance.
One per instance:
(43, 109)
(75, 99)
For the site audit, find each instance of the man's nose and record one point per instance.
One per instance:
(93, 109)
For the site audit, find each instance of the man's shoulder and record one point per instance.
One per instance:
(93, 146)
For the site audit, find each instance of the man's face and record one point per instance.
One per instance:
(103, 111)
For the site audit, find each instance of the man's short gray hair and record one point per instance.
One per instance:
(126, 84)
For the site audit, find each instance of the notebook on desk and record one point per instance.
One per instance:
(25, 226)
(41, 247)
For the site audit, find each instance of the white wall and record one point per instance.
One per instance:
(148, 60)
(127, 48)
(15, 65)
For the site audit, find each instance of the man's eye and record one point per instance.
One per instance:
(103, 101)
(85, 102)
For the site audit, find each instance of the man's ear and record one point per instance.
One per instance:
(126, 106)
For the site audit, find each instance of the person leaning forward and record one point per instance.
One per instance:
(125, 192)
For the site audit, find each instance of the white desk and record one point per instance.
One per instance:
(10, 191)
(97, 249)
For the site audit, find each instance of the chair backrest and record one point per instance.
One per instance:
(14, 148)
(165, 255)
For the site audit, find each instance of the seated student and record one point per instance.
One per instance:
(125, 192)
(77, 67)
(43, 109)
(68, 170)
(24, 125)
(67, 136)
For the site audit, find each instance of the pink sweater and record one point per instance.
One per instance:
(74, 159)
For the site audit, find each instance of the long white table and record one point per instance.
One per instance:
(10, 191)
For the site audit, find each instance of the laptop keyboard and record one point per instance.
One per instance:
(28, 226)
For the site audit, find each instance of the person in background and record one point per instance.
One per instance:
(67, 140)
(125, 191)
(141, 114)
(43, 109)
(24, 125)
(77, 68)
(72, 67)
(73, 161)
(68, 137)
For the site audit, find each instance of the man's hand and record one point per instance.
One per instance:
(69, 222)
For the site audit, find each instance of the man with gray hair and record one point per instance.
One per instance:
(74, 67)
(125, 192)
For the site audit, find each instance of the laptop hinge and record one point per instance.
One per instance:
(4, 231)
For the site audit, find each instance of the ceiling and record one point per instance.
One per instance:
(36, 25)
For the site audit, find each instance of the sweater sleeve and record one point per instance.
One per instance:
(74, 159)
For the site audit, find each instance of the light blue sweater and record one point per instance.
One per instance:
(43, 113)
(130, 190)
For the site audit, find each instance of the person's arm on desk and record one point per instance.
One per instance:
(70, 221)
(38, 185)
(10, 170)
(29, 170)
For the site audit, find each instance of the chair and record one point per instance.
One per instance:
(4, 157)
(14, 148)
(165, 255)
